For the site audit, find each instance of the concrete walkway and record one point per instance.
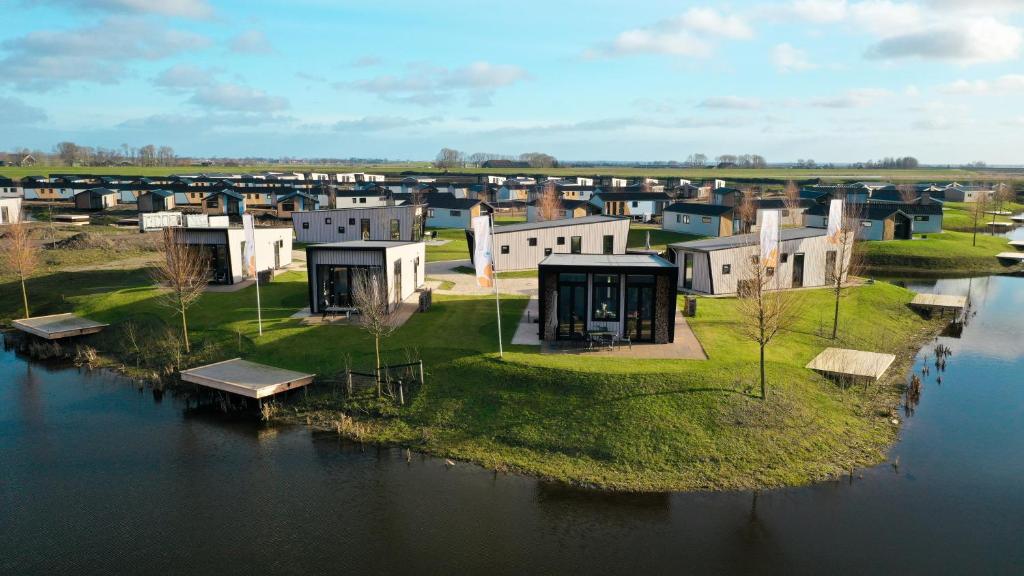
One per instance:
(405, 311)
(527, 333)
(466, 283)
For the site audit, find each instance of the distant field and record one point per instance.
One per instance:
(769, 175)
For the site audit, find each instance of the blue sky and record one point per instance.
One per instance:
(833, 80)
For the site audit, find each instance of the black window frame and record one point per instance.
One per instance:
(504, 249)
(531, 241)
(341, 229)
(328, 221)
(305, 225)
(608, 244)
(560, 241)
(726, 269)
(616, 297)
(576, 245)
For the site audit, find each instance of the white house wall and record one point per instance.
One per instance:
(521, 256)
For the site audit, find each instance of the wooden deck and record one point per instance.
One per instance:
(1011, 256)
(245, 378)
(1017, 218)
(57, 326)
(1018, 244)
(841, 362)
(75, 219)
(940, 302)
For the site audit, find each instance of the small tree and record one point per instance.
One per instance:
(1003, 193)
(908, 193)
(183, 269)
(791, 200)
(848, 260)
(978, 214)
(19, 256)
(746, 211)
(765, 308)
(376, 315)
(549, 203)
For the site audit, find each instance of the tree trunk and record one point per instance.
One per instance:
(764, 394)
(184, 332)
(835, 317)
(24, 296)
(376, 346)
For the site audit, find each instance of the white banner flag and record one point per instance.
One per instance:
(250, 244)
(482, 256)
(835, 221)
(770, 238)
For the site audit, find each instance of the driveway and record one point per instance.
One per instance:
(466, 283)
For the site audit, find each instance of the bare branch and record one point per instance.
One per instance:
(183, 269)
(19, 256)
(549, 204)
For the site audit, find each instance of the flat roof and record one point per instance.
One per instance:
(595, 219)
(724, 243)
(57, 326)
(246, 378)
(607, 260)
(844, 362)
(365, 244)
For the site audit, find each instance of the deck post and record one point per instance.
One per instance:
(421, 372)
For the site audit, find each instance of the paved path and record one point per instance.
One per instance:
(466, 283)
(527, 330)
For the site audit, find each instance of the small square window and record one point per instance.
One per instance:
(686, 219)
(305, 225)
(726, 268)
(504, 249)
(770, 271)
(531, 241)
(784, 258)
(705, 219)
(866, 224)
(341, 229)
(547, 251)
(351, 221)
(560, 241)
(327, 221)
(362, 200)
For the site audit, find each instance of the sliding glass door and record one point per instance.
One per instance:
(572, 305)
(640, 307)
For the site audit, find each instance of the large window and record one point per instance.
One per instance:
(606, 298)
(212, 202)
(455, 213)
(608, 244)
(288, 206)
(577, 245)
(396, 229)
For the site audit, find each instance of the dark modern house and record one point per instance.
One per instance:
(628, 295)
(330, 269)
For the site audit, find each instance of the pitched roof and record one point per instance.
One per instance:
(596, 219)
(631, 196)
(882, 210)
(96, 192)
(159, 192)
(448, 201)
(227, 192)
(699, 209)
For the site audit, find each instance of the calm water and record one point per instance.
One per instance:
(97, 477)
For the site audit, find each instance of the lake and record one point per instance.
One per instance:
(97, 476)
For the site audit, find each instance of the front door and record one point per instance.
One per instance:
(688, 271)
(364, 228)
(572, 305)
(640, 308)
(798, 270)
(398, 281)
(902, 230)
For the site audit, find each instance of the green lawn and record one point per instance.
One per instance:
(499, 220)
(946, 253)
(514, 274)
(456, 249)
(958, 216)
(659, 238)
(637, 425)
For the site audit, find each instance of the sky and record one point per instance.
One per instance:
(832, 80)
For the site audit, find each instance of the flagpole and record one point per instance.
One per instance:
(497, 300)
(259, 309)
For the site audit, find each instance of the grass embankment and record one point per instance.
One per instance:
(948, 253)
(635, 425)
(957, 215)
(778, 175)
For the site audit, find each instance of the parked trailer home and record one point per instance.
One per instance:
(403, 223)
(523, 246)
(224, 249)
(10, 210)
(446, 211)
(295, 201)
(715, 266)
(641, 206)
(156, 201)
(700, 219)
(330, 269)
(630, 295)
(95, 199)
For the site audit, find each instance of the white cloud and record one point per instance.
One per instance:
(251, 42)
(731, 103)
(428, 85)
(691, 33)
(44, 59)
(180, 8)
(819, 10)
(182, 76)
(786, 59)
(858, 98)
(968, 42)
(1012, 84)
(14, 112)
(383, 123)
(233, 97)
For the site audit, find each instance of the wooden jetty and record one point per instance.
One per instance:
(247, 379)
(73, 219)
(57, 326)
(995, 224)
(1018, 244)
(939, 302)
(1011, 256)
(845, 363)
(1017, 218)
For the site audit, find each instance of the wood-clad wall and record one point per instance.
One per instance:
(522, 256)
(319, 231)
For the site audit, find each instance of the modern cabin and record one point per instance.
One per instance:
(717, 266)
(95, 199)
(629, 295)
(886, 220)
(156, 201)
(713, 220)
(224, 202)
(295, 201)
(446, 211)
(640, 206)
(10, 210)
(523, 246)
(224, 249)
(330, 268)
(393, 223)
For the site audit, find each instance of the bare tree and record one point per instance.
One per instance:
(765, 308)
(549, 203)
(746, 211)
(183, 269)
(19, 256)
(978, 214)
(845, 260)
(448, 158)
(1003, 193)
(376, 315)
(908, 193)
